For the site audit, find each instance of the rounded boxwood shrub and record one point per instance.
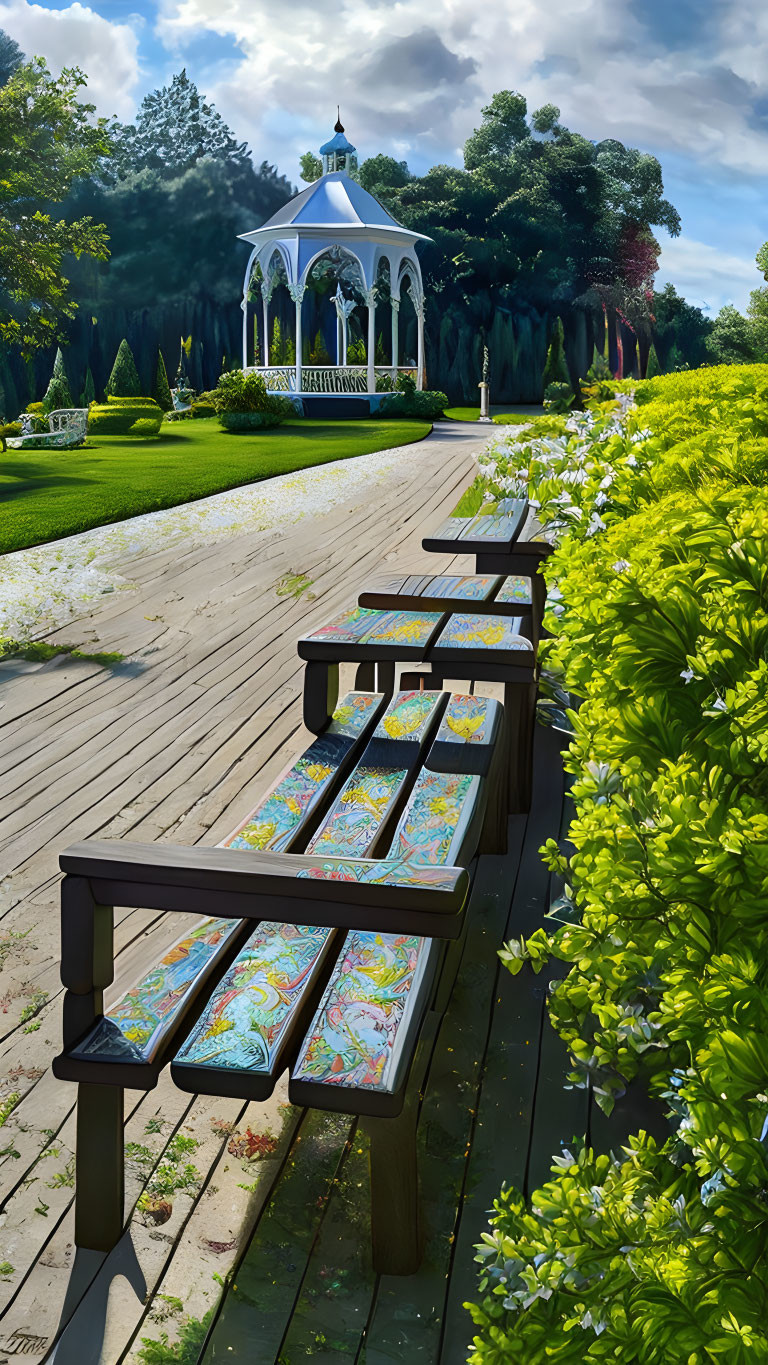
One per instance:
(119, 416)
(426, 403)
(203, 408)
(239, 395)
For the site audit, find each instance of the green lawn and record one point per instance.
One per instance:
(497, 415)
(48, 494)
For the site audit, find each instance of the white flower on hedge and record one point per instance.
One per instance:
(601, 499)
(719, 705)
(607, 479)
(632, 461)
(687, 675)
(596, 524)
(621, 566)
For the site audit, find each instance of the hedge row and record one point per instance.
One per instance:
(125, 417)
(659, 593)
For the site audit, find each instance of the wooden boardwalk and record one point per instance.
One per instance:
(260, 1252)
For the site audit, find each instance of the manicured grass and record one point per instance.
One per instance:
(48, 494)
(497, 415)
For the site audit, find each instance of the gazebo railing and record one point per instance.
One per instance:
(326, 378)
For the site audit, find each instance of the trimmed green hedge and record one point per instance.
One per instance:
(125, 417)
(659, 596)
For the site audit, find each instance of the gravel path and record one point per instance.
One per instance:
(44, 587)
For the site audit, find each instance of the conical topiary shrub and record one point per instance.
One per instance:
(161, 390)
(124, 379)
(88, 395)
(57, 395)
(653, 367)
(555, 367)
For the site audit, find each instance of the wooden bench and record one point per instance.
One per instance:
(480, 645)
(339, 909)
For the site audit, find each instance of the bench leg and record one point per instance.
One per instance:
(321, 694)
(365, 677)
(519, 719)
(99, 1167)
(395, 1226)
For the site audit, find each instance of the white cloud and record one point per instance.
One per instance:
(78, 36)
(705, 275)
(611, 75)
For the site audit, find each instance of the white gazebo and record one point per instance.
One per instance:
(335, 219)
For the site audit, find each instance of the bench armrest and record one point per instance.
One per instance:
(392, 895)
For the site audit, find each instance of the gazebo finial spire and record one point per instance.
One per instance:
(338, 126)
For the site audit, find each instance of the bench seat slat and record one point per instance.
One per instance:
(434, 822)
(136, 1034)
(276, 821)
(373, 790)
(245, 1035)
(357, 1052)
(517, 589)
(364, 631)
(481, 636)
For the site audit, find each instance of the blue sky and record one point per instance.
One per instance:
(684, 79)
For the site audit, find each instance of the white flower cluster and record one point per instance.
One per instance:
(568, 478)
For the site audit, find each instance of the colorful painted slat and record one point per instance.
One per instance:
(481, 634)
(467, 720)
(372, 791)
(365, 630)
(134, 1028)
(393, 872)
(240, 1043)
(433, 824)
(358, 1033)
(408, 716)
(470, 587)
(276, 820)
(350, 625)
(515, 588)
(359, 812)
(497, 530)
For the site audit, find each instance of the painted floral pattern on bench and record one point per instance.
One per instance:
(466, 720)
(384, 872)
(359, 812)
(515, 588)
(370, 625)
(408, 716)
(273, 822)
(252, 1006)
(349, 626)
(404, 628)
(485, 632)
(353, 1037)
(437, 808)
(473, 587)
(141, 1014)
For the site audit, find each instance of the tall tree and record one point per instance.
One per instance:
(47, 140)
(11, 56)
(174, 129)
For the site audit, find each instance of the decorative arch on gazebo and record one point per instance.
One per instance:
(335, 215)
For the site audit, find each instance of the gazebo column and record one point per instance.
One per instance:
(244, 306)
(297, 294)
(370, 303)
(266, 295)
(420, 355)
(395, 333)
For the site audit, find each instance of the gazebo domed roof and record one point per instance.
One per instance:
(335, 200)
